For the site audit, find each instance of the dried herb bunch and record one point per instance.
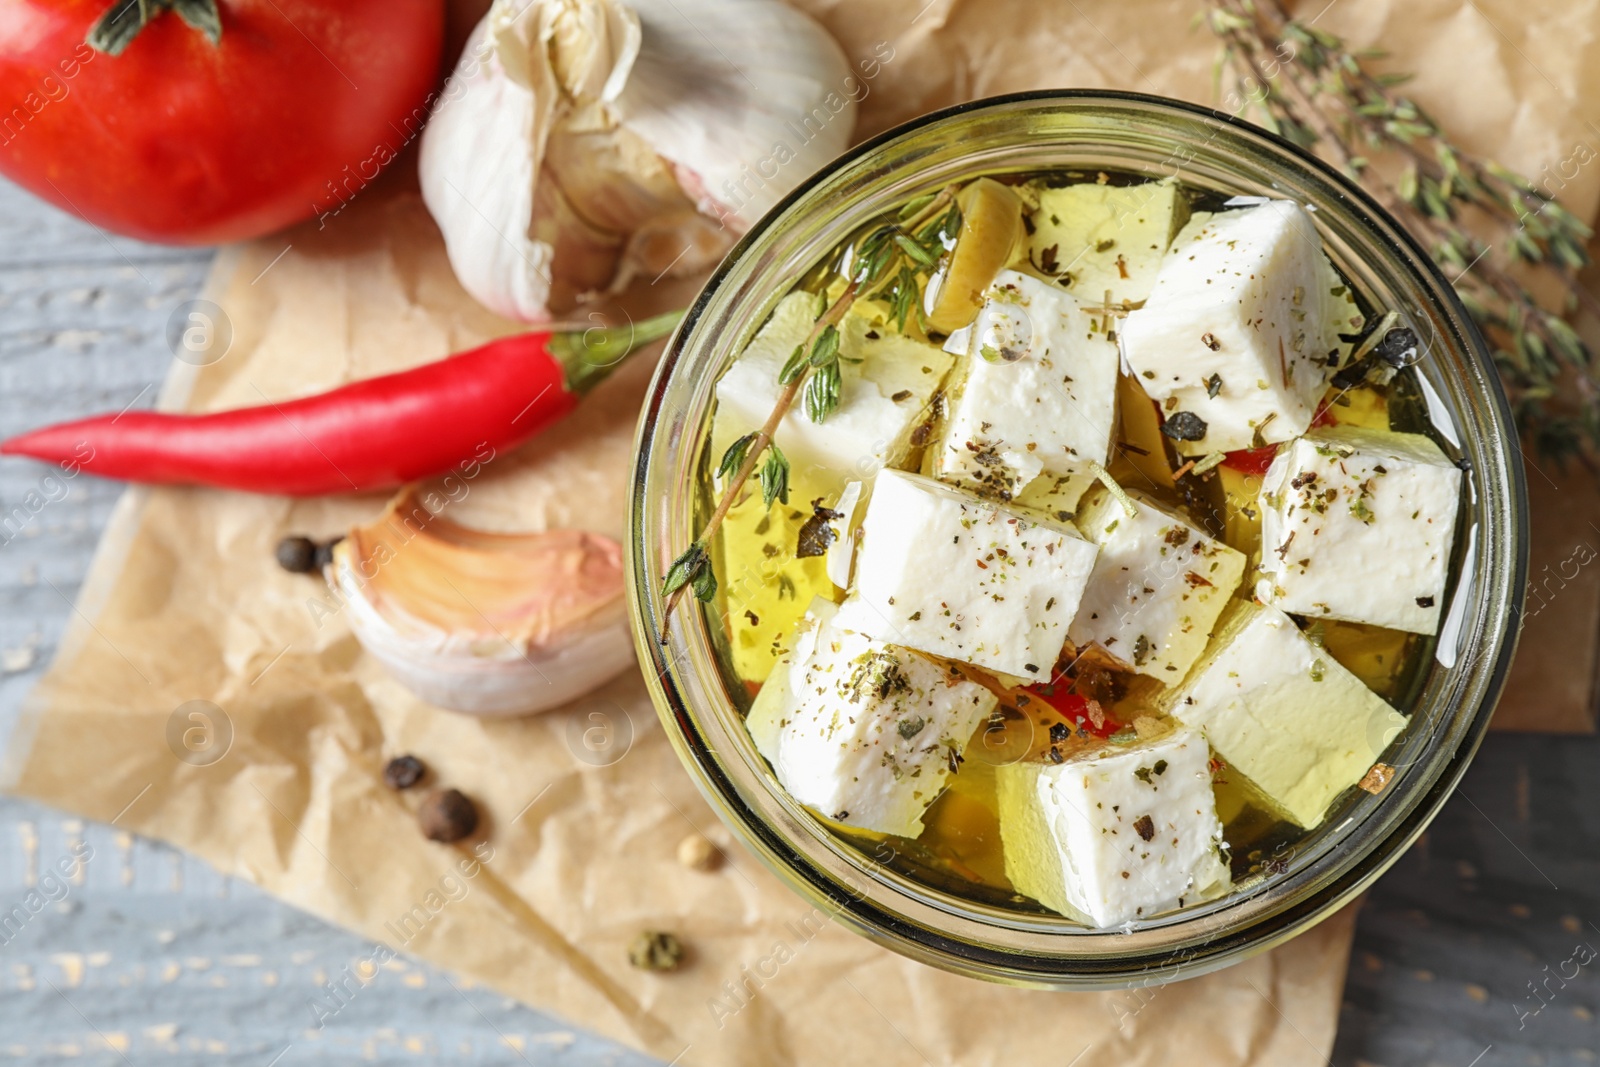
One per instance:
(889, 263)
(1492, 231)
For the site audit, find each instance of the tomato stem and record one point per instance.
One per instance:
(123, 20)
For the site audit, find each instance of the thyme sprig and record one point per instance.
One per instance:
(1308, 86)
(884, 264)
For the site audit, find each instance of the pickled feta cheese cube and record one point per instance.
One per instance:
(1357, 524)
(767, 715)
(842, 548)
(1097, 238)
(1284, 713)
(864, 732)
(953, 575)
(1037, 391)
(1116, 835)
(887, 383)
(1240, 329)
(1158, 585)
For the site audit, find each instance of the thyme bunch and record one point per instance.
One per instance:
(1492, 231)
(887, 263)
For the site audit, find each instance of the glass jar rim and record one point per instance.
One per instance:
(886, 906)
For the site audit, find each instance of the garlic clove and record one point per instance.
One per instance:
(991, 235)
(582, 144)
(482, 622)
(791, 78)
(479, 163)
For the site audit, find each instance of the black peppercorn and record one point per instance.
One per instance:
(1184, 426)
(324, 555)
(297, 555)
(403, 772)
(1397, 346)
(447, 815)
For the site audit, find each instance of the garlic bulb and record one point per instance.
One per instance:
(583, 143)
(479, 622)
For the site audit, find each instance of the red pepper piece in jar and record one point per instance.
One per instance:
(1074, 709)
(1257, 460)
(374, 434)
(1251, 460)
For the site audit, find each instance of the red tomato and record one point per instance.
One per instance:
(1075, 709)
(183, 141)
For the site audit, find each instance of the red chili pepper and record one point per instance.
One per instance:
(1075, 709)
(1257, 460)
(373, 434)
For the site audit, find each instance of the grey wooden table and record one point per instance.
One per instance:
(1472, 952)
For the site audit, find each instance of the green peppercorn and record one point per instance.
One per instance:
(656, 950)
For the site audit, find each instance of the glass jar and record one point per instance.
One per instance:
(1452, 700)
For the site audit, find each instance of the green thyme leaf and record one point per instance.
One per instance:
(704, 584)
(915, 205)
(734, 457)
(905, 297)
(826, 350)
(794, 366)
(915, 252)
(685, 569)
(775, 476)
(822, 392)
(952, 220)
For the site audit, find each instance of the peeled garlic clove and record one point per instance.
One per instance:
(583, 143)
(481, 622)
(991, 232)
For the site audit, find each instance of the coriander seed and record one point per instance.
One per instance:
(698, 853)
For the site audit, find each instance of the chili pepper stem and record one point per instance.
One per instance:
(588, 356)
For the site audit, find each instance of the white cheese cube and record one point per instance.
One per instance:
(887, 383)
(1117, 835)
(1284, 713)
(862, 731)
(765, 720)
(842, 549)
(1357, 524)
(948, 573)
(1105, 237)
(1037, 394)
(1158, 586)
(1239, 329)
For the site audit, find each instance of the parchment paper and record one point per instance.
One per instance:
(278, 780)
